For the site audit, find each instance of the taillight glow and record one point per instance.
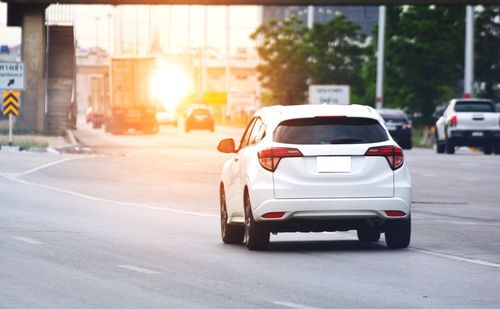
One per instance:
(273, 215)
(393, 154)
(453, 121)
(270, 158)
(395, 213)
(406, 125)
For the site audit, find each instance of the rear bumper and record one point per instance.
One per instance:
(332, 209)
(473, 137)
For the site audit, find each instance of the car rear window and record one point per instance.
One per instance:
(346, 130)
(474, 106)
(394, 117)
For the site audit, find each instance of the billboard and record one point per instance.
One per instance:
(330, 94)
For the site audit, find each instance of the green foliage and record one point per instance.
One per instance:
(294, 56)
(283, 52)
(487, 47)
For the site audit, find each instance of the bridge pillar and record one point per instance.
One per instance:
(33, 55)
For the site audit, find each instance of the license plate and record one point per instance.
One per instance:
(391, 128)
(477, 134)
(333, 164)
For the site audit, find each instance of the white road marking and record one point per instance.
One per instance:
(458, 258)
(138, 269)
(28, 240)
(99, 199)
(44, 166)
(292, 305)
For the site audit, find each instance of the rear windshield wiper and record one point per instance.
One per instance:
(345, 141)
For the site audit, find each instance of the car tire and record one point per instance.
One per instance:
(398, 233)
(488, 149)
(440, 147)
(368, 234)
(449, 147)
(256, 235)
(186, 129)
(496, 148)
(231, 234)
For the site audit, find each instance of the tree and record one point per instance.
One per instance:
(336, 52)
(487, 47)
(423, 57)
(283, 52)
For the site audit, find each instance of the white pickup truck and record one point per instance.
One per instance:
(468, 122)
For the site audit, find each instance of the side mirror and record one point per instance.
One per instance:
(226, 146)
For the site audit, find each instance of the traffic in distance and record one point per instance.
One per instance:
(251, 157)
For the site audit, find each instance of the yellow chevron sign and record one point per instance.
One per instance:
(11, 103)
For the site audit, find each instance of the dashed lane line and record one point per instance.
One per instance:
(458, 258)
(138, 269)
(105, 200)
(28, 240)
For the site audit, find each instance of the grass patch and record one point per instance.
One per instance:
(24, 142)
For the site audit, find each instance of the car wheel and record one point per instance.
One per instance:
(231, 234)
(256, 235)
(488, 149)
(496, 148)
(368, 234)
(439, 147)
(398, 233)
(186, 129)
(449, 147)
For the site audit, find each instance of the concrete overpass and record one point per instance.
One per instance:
(29, 14)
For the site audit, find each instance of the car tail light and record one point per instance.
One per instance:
(406, 125)
(453, 121)
(270, 158)
(395, 213)
(393, 154)
(273, 215)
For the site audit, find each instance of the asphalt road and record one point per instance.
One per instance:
(136, 226)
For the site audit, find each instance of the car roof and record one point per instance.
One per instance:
(278, 113)
(390, 112)
(471, 100)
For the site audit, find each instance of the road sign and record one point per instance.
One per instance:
(11, 103)
(329, 94)
(12, 75)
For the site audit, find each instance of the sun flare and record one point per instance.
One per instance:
(170, 84)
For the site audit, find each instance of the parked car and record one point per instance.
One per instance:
(200, 118)
(399, 126)
(166, 116)
(468, 122)
(314, 168)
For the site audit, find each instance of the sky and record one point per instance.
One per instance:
(94, 25)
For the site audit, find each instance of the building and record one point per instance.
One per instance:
(365, 16)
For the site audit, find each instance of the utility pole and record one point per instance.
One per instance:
(379, 98)
(204, 53)
(310, 16)
(228, 56)
(469, 52)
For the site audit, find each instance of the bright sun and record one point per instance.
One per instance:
(170, 84)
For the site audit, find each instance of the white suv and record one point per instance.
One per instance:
(314, 168)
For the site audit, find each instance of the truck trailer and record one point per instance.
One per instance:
(131, 105)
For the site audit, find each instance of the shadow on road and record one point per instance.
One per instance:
(325, 245)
